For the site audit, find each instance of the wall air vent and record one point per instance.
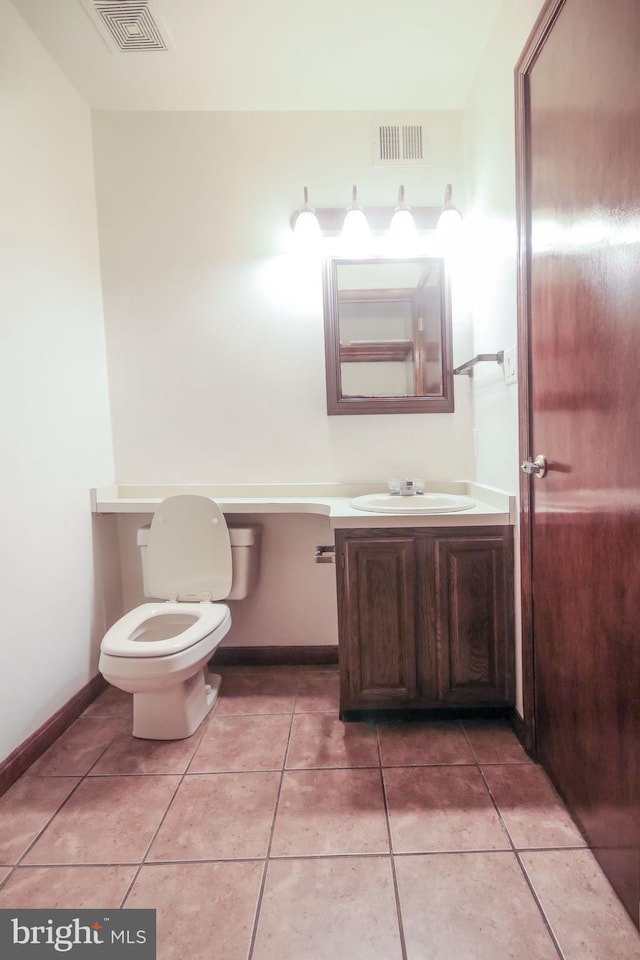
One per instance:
(128, 26)
(399, 145)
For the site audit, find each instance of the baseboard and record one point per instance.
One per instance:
(30, 749)
(410, 714)
(275, 656)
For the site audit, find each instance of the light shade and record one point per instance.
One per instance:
(355, 229)
(402, 230)
(306, 228)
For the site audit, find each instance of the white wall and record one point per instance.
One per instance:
(492, 252)
(215, 329)
(54, 425)
(490, 158)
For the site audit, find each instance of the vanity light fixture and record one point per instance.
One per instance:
(355, 229)
(402, 230)
(305, 224)
(403, 221)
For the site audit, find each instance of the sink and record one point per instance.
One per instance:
(419, 503)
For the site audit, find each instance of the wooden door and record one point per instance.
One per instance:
(578, 122)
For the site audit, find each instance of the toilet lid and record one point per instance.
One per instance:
(189, 552)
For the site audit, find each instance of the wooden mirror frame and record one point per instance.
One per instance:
(338, 404)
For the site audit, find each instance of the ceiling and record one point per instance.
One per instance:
(279, 55)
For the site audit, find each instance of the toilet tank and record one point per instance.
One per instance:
(245, 557)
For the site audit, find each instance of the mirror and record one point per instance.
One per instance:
(387, 336)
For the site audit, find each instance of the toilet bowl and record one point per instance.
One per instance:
(158, 651)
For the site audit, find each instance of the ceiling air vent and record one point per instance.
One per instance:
(399, 144)
(128, 26)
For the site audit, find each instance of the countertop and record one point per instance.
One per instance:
(332, 500)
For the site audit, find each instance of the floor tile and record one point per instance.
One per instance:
(330, 812)
(218, 816)
(318, 692)
(75, 752)
(459, 906)
(26, 808)
(107, 820)
(328, 889)
(340, 908)
(321, 740)
(204, 910)
(243, 743)
(111, 703)
(532, 811)
(130, 755)
(406, 744)
(66, 887)
(441, 808)
(253, 692)
(494, 742)
(587, 918)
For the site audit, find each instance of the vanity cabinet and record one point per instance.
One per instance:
(425, 619)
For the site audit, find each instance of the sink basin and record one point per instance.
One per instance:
(419, 503)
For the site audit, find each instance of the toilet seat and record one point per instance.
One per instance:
(180, 625)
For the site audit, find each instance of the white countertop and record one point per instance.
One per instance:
(492, 507)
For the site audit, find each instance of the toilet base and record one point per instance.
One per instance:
(175, 712)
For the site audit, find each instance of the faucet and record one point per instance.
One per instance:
(406, 487)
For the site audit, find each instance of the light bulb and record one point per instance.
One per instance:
(403, 232)
(403, 227)
(355, 229)
(307, 228)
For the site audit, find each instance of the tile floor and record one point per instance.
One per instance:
(278, 833)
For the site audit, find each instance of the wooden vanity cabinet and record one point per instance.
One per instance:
(425, 619)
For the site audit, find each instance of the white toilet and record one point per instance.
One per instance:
(158, 652)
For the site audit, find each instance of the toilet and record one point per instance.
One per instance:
(159, 651)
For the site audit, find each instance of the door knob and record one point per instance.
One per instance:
(537, 467)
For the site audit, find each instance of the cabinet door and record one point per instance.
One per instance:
(473, 619)
(376, 594)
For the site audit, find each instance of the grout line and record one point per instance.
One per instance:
(102, 753)
(494, 803)
(254, 931)
(516, 854)
(334, 767)
(514, 850)
(258, 908)
(205, 726)
(366, 855)
(538, 902)
(433, 763)
(396, 891)
(48, 823)
(80, 778)
(11, 868)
